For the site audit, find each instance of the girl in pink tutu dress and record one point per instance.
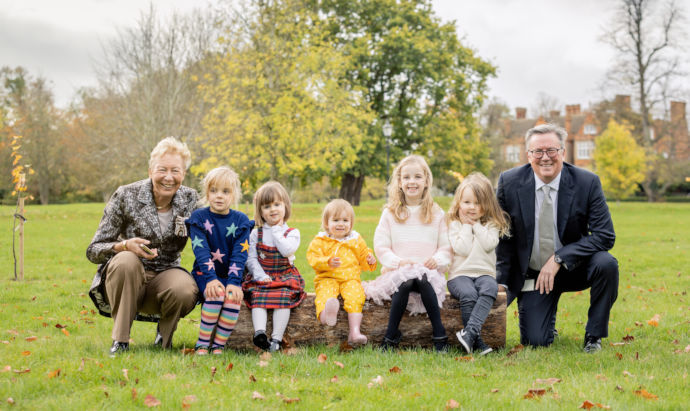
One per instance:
(411, 242)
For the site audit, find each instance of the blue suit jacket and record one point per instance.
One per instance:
(583, 221)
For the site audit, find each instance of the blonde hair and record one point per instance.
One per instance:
(483, 190)
(268, 193)
(337, 207)
(396, 198)
(220, 178)
(171, 145)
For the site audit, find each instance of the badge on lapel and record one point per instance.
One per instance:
(180, 227)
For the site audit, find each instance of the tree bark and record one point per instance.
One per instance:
(305, 329)
(351, 188)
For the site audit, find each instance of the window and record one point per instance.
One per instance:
(584, 149)
(590, 129)
(513, 153)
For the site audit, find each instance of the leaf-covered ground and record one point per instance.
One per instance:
(53, 344)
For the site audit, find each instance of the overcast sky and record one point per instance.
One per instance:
(548, 46)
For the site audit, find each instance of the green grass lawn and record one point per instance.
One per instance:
(46, 367)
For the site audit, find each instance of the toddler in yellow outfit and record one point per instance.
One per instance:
(338, 255)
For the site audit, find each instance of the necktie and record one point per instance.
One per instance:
(545, 227)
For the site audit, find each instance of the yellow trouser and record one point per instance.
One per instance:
(351, 291)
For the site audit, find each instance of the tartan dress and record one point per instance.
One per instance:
(286, 289)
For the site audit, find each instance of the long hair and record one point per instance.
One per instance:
(396, 198)
(482, 189)
(268, 193)
(220, 178)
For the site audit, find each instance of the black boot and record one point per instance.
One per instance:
(440, 344)
(390, 344)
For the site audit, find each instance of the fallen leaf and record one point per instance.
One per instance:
(26, 353)
(322, 358)
(10, 400)
(339, 364)
(515, 350)
(291, 351)
(125, 373)
(378, 380)
(452, 404)
(6, 368)
(54, 373)
(587, 405)
(627, 374)
(32, 338)
(252, 378)
(256, 395)
(334, 379)
(465, 358)
(628, 338)
(654, 321)
(188, 400)
(290, 400)
(187, 351)
(619, 388)
(638, 324)
(534, 392)
(601, 377)
(478, 375)
(151, 401)
(394, 370)
(64, 331)
(345, 347)
(229, 367)
(687, 348)
(58, 325)
(213, 372)
(134, 393)
(263, 363)
(549, 381)
(169, 376)
(24, 371)
(266, 356)
(645, 394)
(494, 390)
(619, 356)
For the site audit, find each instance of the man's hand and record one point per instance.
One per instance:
(547, 276)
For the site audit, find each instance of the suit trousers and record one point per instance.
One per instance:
(130, 289)
(537, 312)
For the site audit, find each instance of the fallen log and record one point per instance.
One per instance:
(304, 329)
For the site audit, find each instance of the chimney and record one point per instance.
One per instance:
(622, 101)
(572, 110)
(520, 113)
(677, 111)
(554, 113)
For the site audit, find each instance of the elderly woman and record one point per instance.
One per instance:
(138, 245)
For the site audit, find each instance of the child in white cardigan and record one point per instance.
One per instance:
(475, 222)
(411, 242)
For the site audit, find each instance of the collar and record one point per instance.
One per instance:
(553, 185)
(353, 234)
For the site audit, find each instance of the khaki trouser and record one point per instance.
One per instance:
(130, 289)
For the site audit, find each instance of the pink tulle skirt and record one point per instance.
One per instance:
(385, 285)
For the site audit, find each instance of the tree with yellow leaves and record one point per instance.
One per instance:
(619, 161)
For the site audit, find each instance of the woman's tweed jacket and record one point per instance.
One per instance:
(131, 212)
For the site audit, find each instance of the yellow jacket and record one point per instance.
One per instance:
(352, 251)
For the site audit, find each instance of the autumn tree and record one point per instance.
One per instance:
(278, 108)
(619, 161)
(492, 119)
(148, 78)
(29, 112)
(417, 75)
(647, 36)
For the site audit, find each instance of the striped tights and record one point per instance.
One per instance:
(218, 315)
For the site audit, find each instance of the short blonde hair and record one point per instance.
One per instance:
(268, 193)
(171, 145)
(337, 207)
(220, 178)
(396, 198)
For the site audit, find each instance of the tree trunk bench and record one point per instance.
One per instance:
(304, 329)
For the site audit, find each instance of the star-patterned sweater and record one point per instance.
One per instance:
(220, 244)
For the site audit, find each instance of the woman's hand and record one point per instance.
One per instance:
(233, 293)
(214, 290)
(135, 245)
(431, 264)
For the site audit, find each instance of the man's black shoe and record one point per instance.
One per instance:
(159, 338)
(592, 344)
(118, 348)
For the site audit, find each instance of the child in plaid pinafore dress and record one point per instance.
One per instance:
(272, 281)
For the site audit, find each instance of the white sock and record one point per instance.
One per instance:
(259, 318)
(281, 316)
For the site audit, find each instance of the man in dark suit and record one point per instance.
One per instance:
(561, 231)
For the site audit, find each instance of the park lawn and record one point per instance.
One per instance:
(46, 367)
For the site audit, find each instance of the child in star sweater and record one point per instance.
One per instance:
(338, 255)
(220, 243)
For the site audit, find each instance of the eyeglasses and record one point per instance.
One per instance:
(551, 152)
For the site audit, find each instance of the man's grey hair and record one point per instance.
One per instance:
(546, 129)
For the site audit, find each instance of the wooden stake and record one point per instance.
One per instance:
(21, 239)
